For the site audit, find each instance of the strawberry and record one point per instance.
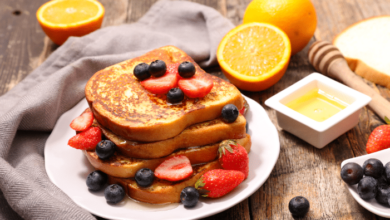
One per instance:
(82, 122)
(161, 85)
(379, 138)
(233, 156)
(86, 140)
(242, 111)
(174, 169)
(217, 183)
(197, 86)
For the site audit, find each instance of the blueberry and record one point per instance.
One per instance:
(229, 113)
(144, 177)
(246, 127)
(189, 196)
(298, 206)
(157, 68)
(175, 95)
(373, 167)
(186, 69)
(114, 193)
(367, 188)
(387, 172)
(382, 195)
(105, 149)
(351, 173)
(141, 71)
(96, 180)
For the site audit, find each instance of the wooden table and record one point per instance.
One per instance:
(301, 168)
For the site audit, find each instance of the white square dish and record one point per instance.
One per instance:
(318, 134)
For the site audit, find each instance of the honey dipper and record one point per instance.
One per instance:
(328, 60)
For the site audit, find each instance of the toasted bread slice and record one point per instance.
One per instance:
(122, 105)
(125, 167)
(162, 191)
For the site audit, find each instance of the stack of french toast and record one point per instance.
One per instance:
(147, 129)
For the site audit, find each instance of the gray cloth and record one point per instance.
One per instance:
(30, 110)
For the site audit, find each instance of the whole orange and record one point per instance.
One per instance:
(297, 18)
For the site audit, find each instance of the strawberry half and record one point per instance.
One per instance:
(82, 122)
(163, 84)
(233, 156)
(174, 169)
(86, 140)
(197, 86)
(217, 183)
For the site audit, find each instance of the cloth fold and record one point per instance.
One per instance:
(30, 110)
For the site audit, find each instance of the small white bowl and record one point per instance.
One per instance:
(318, 134)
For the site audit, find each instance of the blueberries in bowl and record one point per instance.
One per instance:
(382, 195)
(157, 68)
(229, 113)
(114, 193)
(175, 95)
(367, 188)
(186, 69)
(387, 172)
(141, 71)
(299, 206)
(105, 149)
(96, 180)
(144, 177)
(351, 173)
(373, 167)
(189, 196)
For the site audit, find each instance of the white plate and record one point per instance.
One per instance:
(68, 169)
(371, 205)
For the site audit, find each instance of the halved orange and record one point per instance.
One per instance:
(254, 56)
(61, 19)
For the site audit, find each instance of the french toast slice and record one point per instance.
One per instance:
(126, 167)
(120, 103)
(162, 191)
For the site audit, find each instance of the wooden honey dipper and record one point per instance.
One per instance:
(328, 60)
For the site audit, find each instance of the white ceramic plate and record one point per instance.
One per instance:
(68, 169)
(371, 205)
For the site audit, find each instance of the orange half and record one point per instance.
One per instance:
(61, 19)
(254, 56)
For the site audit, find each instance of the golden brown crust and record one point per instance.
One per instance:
(162, 191)
(125, 167)
(122, 105)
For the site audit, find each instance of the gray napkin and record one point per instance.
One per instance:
(30, 110)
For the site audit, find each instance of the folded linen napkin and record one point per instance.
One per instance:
(30, 110)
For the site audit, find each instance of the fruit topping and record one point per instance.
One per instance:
(299, 206)
(86, 140)
(157, 68)
(82, 122)
(96, 180)
(387, 172)
(351, 173)
(162, 84)
(373, 167)
(229, 113)
(233, 156)
(105, 149)
(175, 95)
(246, 127)
(218, 182)
(383, 193)
(144, 177)
(174, 169)
(367, 188)
(141, 71)
(189, 196)
(379, 138)
(186, 69)
(197, 86)
(114, 193)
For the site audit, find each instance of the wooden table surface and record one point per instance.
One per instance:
(301, 169)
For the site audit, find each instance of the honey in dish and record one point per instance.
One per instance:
(317, 105)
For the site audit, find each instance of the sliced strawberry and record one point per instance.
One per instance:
(82, 122)
(197, 86)
(174, 169)
(163, 84)
(242, 111)
(86, 140)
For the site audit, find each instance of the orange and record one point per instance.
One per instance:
(64, 18)
(297, 18)
(254, 56)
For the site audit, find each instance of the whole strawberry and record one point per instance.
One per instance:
(379, 139)
(217, 183)
(86, 140)
(233, 156)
